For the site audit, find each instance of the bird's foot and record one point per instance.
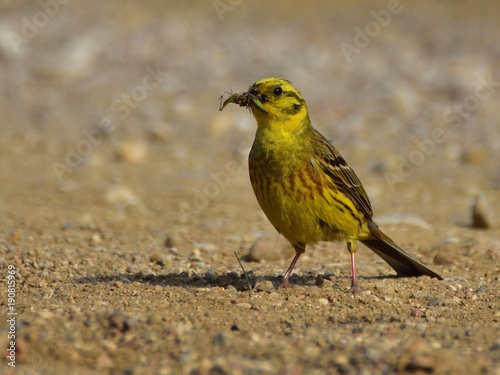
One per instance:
(354, 288)
(285, 283)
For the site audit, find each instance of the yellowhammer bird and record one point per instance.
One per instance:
(304, 185)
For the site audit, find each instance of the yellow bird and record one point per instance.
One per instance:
(304, 185)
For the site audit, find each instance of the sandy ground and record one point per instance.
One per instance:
(125, 191)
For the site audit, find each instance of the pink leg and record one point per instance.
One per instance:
(288, 273)
(354, 280)
(351, 246)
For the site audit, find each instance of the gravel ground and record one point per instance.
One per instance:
(125, 191)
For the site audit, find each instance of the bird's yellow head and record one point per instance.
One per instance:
(275, 102)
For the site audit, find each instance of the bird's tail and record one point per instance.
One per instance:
(397, 258)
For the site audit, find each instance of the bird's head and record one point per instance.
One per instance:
(275, 101)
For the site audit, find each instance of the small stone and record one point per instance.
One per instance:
(117, 320)
(244, 305)
(417, 313)
(86, 221)
(323, 301)
(195, 256)
(482, 217)
(132, 151)
(452, 288)
(433, 301)
(481, 289)
(155, 257)
(444, 259)
(319, 280)
(170, 241)
(266, 286)
(95, 239)
(121, 195)
(231, 289)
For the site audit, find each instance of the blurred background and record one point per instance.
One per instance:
(115, 104)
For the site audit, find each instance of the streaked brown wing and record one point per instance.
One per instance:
(342, 175)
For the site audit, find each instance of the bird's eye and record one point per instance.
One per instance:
(278, 91)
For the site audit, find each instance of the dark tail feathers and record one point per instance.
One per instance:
(403, 263)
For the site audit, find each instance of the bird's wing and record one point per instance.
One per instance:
(342, 175)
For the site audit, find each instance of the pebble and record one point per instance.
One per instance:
(195, 256)
(243, 305)
(86, 221)
(95, 239)
(170, 241)
(481, 289)
(417, 313)
(121, 195)
(433, 301)
(266, 286)
(323, 301)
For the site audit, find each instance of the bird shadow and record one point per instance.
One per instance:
(209, 280)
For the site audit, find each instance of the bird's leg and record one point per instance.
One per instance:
(299, 249)
(351, 246)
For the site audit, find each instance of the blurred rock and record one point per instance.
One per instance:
(266, 286)
(476, 156)
(269, 247)
(418, 358)
(482, 215)
(132, 151)
(121, 195)
(403, 219)
(447, 251)
(195, 256)
(86, 221)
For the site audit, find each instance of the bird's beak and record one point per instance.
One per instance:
(254, 99)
